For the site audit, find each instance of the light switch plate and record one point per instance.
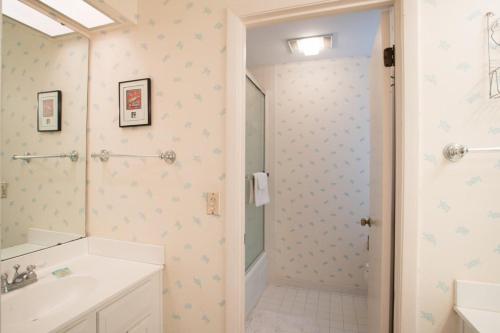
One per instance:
(4, 190)
(213, 203)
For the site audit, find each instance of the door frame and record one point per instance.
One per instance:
(407, 151)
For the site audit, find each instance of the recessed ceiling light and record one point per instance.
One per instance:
(25, 14)
(80, 11)
(310, 46)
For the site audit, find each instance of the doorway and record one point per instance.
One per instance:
(322, 103)
(234, 171)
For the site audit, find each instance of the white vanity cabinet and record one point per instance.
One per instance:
(112, 287)
(478, 306)
(136, 310)
(466, 328)
(85, 325)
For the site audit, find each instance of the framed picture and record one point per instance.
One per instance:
(135, 103)
(49, 111)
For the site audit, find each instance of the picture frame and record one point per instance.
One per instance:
(49, 111)
(134, 103)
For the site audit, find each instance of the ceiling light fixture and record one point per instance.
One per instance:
(310, 46)
(80, 11)
(26, 15)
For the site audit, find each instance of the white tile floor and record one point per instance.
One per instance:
(294, 310)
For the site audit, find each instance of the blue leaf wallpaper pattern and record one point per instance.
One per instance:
(188, 98)
(180, 45)
(458, 202)
(45, 194)
(322, 153)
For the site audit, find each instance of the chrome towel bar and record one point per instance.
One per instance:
(454, 152)
(168, 156)
(73, 156)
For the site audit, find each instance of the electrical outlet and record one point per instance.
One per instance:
(4, 190)
(213, 203)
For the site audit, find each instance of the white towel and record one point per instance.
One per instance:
(251, 194)
(261, 191)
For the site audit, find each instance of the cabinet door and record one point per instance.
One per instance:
(469, 329)
(125, 313)
(87, 325)
(144, 326)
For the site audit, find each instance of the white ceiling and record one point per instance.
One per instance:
(353, 35)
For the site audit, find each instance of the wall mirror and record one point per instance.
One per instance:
(43, 138)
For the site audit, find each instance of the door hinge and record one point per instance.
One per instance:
(390, 57)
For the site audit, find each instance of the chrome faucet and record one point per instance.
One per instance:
(19, 280)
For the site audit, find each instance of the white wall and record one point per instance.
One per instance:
(47, 194)
(321, 169)
(459, 203)
(180, 44)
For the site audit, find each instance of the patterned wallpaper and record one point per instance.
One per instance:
(47, 194)
(180, 45)
(460, 207)
(322, 173)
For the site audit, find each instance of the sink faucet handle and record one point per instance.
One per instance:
(16, 273)
(30, 272)
(4, 283)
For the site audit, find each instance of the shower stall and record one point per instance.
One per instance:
(255, 157)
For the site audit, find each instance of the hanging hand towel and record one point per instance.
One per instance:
(261, 190)
(251, 194)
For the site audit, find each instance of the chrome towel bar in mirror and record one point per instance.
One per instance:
(73, 156)
(454, 152)
(168, 156)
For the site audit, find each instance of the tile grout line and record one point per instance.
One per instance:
(301, 314)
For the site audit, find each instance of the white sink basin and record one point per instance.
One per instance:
(33, 299)
(51, 303)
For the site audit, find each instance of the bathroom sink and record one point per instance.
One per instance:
(44, 298)
(52, 304)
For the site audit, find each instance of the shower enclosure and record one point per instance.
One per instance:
(255, 162)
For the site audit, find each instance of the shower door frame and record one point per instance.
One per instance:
(407, 150)
(267, 166)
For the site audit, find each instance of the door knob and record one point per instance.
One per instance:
(366, 221)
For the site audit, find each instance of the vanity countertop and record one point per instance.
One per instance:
(481, 320)
(52, 302)
(478, 305)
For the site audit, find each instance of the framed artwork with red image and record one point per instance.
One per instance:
(49, 111)
(135, 103)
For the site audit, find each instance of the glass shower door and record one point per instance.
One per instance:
(255, 162)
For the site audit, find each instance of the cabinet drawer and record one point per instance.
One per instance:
(129, 311)
(87, 325)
